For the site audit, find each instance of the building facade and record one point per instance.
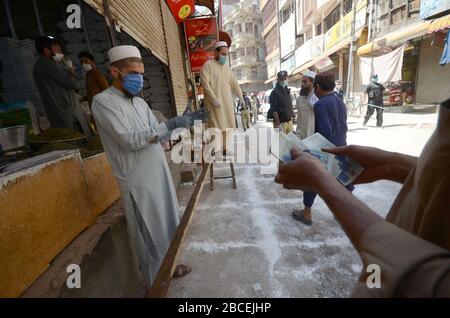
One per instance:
(337, 35)
(399, 23)
(270, 35)
(247, 52)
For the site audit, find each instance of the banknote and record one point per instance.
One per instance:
(344, 169)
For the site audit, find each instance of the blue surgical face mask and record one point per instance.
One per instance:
(284, 84)
(133, 83)
(222, 59)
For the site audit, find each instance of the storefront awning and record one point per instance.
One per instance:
(319, 58)
(439, 24)
(398, 37)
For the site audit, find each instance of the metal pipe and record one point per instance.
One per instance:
(351, 55)
(10, 19)
(84, 26)
(369, 34)
(279, 33)
(38, 18)
(110, 22)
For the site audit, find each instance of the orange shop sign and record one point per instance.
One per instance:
(181, 9)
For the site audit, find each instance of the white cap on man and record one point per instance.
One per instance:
(310, 74)
(221, 44)
(121, 52)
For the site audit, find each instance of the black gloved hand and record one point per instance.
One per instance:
(186, 121)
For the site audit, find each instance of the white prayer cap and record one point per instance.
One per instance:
(221, 44)
(310, 74)
(121, 52)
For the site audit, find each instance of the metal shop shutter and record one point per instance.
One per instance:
(176, 62)
(140, 19)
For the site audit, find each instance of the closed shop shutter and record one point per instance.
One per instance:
(141, 20)
(176, 62)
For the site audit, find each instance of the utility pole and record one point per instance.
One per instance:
(219, 15)
(10, 19)
(371, 9)
(351, 55)
(278, 33)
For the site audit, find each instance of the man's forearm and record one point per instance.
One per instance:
(400, 166)
(276, 120)
(353, 215)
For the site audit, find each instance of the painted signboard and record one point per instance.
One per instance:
(430, 9)
(201, 38)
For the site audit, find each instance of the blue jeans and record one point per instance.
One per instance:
(309, 197)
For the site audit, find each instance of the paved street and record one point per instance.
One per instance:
(244, 243)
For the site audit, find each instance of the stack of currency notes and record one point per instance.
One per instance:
(344, 169)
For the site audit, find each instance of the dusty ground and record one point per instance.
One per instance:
(244, 243)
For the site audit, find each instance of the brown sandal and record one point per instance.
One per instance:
(181, 270)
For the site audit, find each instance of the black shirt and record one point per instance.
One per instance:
(281, 103)
(375, 92)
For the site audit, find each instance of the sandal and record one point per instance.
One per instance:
(298, 215)
(181, 270)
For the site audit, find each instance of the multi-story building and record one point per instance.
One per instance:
(247, 52)
(398, 22)
(339, 36)
(271, 36)
(325, 30)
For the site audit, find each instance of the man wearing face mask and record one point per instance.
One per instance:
(131, 137)
(330, 116)
(305, 106)
(96, 82)
(219, 84)
(57, 86)
(375, 100)
(281, 107)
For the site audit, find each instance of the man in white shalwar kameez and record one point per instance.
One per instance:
(219, 84)
(130, 135)
(305, 106)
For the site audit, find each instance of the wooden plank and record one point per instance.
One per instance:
(164, 276)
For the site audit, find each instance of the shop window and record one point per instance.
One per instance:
(239, 74)
(382, 7)
(319, 29)
(286, 13)
(254, 72)
(414, 8)
(238, 28)
(398, 15)
(347, 6)
(248, 27)
(332, 18)
(397, 3)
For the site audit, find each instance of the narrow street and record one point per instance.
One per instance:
(244, 243)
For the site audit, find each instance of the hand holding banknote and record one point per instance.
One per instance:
(304, 172)
(374, 160)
